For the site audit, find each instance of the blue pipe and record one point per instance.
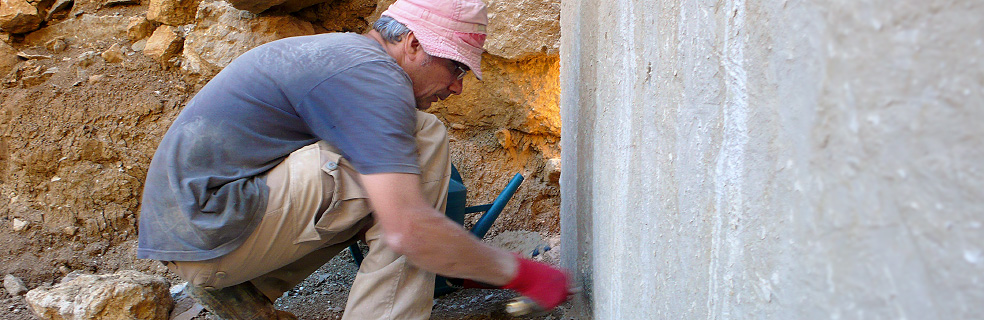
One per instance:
(485, 223)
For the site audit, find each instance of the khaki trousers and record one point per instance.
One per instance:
(318, 208)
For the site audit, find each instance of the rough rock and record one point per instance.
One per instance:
(172, 12)
(19, 225)
(84, 29)
(56, 45)
(296, 5)
(114, 54)
(18, 16)
(139, 45)
(164, 44)
(112, 3)
(519, 29)
(96, 78)
(223, 32)
(380, 7)
(64, 270)
(86, 59)
(124, 295)
(59, 9)
(552, 169)
(28, 74)
(257, 6)
(33, 55)
(184, 304)
(8, 58)
(139, 28)
(70, 230)
(69, 276)
(338, 16)
(14, 285)
(518, 95)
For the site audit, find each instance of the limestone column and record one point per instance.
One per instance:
(773, 159)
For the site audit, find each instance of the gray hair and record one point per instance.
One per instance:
(391, 30)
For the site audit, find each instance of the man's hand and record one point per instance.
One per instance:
(430, 240)
(545, 285)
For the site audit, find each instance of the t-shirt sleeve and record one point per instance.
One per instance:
(368, 113)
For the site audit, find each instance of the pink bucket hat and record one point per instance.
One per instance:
(450, 29)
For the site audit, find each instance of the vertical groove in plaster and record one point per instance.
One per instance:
(623, 110)
(694, 121)
(648, 211)
(608, 159)
(704, 22)
(730, 165)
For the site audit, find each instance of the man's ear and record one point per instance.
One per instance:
(411, 46)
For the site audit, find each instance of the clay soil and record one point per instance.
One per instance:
(77, 134)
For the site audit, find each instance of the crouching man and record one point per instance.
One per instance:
(303, 145)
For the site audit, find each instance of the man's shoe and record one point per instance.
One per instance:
(239, 302)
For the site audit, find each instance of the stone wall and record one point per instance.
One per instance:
(774, 159)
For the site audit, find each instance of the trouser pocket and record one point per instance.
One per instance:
(327, 184)
(348, 204)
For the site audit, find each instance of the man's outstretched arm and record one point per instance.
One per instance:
(431, 241)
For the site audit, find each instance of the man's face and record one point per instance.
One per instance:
(436, 79)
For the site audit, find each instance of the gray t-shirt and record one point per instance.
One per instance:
(202, 196)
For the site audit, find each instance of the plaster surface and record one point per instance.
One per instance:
(773, 159)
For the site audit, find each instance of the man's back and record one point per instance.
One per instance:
(201, 198)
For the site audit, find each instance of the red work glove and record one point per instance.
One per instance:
(544, 284)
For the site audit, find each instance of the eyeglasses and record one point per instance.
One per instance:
(460, 69)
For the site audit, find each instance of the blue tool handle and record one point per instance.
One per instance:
(485, 223)
(481, 208)
(356, 254)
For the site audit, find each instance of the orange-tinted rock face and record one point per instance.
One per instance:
(18, 16)
(509, 123)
